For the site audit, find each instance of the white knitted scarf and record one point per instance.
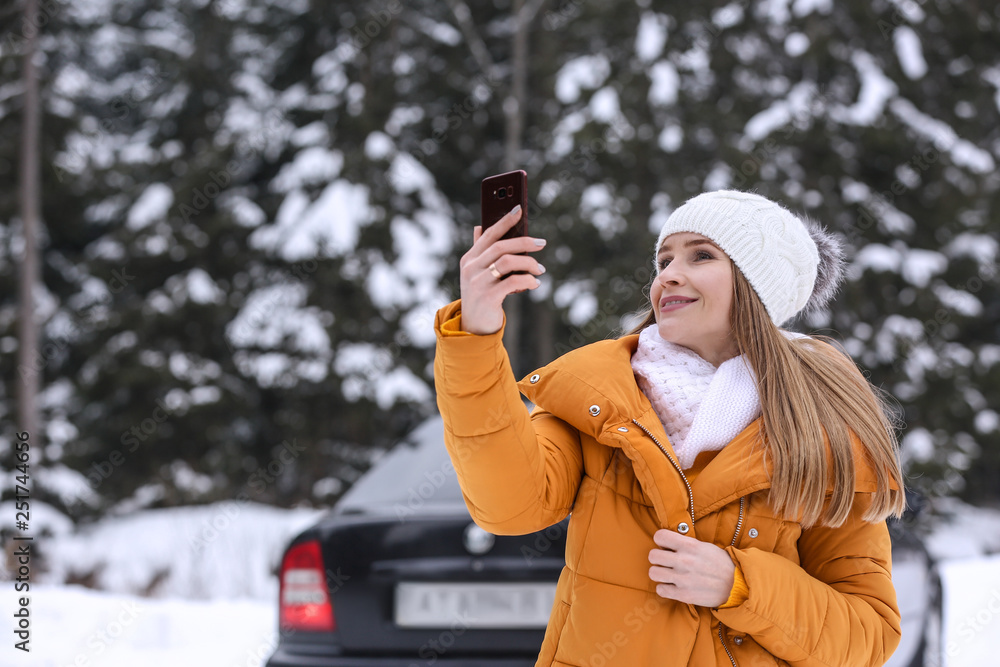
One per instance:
(702, 407)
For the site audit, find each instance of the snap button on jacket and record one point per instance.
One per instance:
(820, 597)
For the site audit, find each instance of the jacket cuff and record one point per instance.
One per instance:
(452, 326)
(448, 322)
(470, 367)
(740, 591)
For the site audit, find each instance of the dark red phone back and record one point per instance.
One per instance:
(500, 194)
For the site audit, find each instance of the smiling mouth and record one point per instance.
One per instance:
(675, 302)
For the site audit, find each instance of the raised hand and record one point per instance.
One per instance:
(484, 268)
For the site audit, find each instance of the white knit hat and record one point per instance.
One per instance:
(775, 250)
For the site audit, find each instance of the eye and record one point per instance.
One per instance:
(662, 263)
(704, 254)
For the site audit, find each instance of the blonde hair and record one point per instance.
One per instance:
(810, 389)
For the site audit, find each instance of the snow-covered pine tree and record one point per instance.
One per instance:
(254, 211)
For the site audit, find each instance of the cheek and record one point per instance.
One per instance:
(654, 292)
(722, 289)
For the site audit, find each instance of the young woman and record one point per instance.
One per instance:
(728, 481)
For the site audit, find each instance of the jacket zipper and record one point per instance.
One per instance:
(679, 471)
(739, 522)
(723, 640)
(739, 526)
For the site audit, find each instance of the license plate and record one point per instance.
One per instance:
(474, 605)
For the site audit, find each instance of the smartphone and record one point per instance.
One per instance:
(501, 193)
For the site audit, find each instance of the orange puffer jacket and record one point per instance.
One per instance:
(594, 448)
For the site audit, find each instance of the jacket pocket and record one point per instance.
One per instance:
(770, 534)
(748, 652)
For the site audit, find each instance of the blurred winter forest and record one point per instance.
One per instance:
(251, 209)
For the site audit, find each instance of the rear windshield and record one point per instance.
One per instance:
(416, 474)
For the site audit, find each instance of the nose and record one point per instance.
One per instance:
(670, 274)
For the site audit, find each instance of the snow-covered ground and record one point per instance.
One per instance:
(72, 626)
(209, 575)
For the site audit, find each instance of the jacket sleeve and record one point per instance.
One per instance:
(518, 473)
(837, 609)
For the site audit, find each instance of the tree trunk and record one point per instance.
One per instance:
(513, 108)
(30, 366)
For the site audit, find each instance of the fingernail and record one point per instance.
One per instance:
(516, 209)
(539, 242)
(541, 269)
(537, 282)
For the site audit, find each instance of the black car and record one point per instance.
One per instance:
(398, 575)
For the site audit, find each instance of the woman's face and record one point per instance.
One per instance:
(692, 294)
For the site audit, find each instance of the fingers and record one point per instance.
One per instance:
(520, 283)
(482, 241)
(668, 591)
(660, 557)
(494, 268)
(508, 284)
(669, 539)
(503, 225)
(484, 252)
(510, 263)
(689, 570)
(518, 246)
(661, 573)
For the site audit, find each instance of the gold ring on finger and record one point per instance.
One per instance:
(493, 270)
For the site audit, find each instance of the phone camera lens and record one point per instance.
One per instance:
(503, 193)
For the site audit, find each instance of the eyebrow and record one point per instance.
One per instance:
(689, 244)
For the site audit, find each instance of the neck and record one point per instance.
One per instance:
(716, 354)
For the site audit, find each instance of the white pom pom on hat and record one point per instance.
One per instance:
(774, 249)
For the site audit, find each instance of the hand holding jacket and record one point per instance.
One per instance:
(689, 570)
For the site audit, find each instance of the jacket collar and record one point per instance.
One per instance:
(593, 388)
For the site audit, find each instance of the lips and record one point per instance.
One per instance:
(669, 303)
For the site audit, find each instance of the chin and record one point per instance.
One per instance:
(670, 334)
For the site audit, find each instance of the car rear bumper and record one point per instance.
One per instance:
(284, 658)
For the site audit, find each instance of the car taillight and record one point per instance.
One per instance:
(305, 603)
